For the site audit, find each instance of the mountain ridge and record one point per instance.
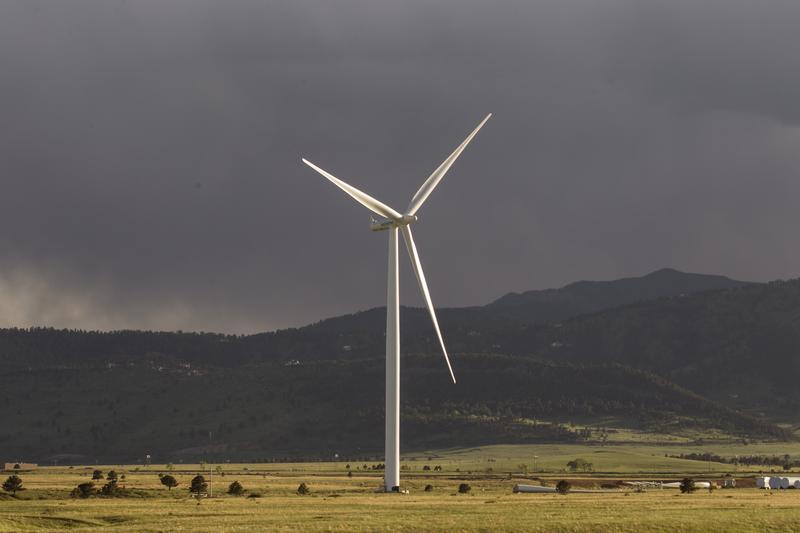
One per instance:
(586, 296)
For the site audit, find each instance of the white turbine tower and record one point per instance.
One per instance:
(394, 221)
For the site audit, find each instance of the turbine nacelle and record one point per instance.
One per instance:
(388, 223)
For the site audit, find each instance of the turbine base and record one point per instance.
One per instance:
(393, 490)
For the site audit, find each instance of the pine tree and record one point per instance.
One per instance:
(12, 484)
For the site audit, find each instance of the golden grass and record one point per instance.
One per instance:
(341, 503)
(486, 509)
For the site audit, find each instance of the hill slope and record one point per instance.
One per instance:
(315, 389)
(741, 345)
(172, 410)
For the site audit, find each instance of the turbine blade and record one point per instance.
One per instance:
(423, 286)
(434, 179)
(363, 198)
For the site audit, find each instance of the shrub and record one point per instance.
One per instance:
(579, 464)
(563, 486)
(687, 485)
(464, 488)
(84, 490)
(235, 488)
(112, 476)
(169, 481)
(110, 489)
(12, 484)
(428, 488)
(426, 467)
(198, 485)
(303, 489)
(97, 474)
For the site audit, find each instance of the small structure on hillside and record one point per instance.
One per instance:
(18, 466)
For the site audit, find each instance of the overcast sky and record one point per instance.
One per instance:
(150, 171)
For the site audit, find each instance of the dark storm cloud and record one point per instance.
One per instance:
(150, 172)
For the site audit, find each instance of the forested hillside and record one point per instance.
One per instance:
(319, 408)
(721, 359)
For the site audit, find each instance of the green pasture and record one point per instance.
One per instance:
(549, 459)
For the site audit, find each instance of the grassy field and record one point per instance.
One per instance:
(339, 502)
(636, 458)
(488, 509)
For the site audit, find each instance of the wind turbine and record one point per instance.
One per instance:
(394, 221)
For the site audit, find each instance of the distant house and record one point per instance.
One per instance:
(16, 467)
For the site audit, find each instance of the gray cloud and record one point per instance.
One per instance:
(150, 173)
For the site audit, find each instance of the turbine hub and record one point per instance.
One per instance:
(387, 223)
